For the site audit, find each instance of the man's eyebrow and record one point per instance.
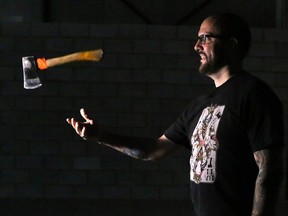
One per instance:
(206, 33)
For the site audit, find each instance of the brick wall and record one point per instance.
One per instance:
(148, 75)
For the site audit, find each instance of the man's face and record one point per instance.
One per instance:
(211, 50)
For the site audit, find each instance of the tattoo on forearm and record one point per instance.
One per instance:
(131, 152)
(261, 158)
(268, 181)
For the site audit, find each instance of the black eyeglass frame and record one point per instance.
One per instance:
(202, 38)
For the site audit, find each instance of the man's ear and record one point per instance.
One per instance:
(232, 46)
(233, 42)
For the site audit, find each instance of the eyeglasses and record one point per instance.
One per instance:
(202, 39)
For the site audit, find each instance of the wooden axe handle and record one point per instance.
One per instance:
(92, 55)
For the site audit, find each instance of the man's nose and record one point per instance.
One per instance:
(197, 46)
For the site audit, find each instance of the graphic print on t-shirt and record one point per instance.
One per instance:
(205, 145)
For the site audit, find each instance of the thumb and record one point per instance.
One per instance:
(85, 116)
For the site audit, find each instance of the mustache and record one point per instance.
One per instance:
(201, 53)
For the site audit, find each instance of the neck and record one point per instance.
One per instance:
(224, 74)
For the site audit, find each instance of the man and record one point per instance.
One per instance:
(235, 132)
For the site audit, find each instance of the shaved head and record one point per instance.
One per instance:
(233, 26)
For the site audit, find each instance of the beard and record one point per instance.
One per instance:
(209, 68)
(212, 65)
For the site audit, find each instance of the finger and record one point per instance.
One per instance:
(73, 122)
(78, 128)
(85, 116)
(83, 132)
(68, 120)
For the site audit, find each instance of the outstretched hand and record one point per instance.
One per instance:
(82, 127)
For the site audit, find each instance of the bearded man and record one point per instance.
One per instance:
(234, 132)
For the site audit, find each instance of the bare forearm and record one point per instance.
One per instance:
(267, 184)
(139, 148)
(260, 196)
(265, 199)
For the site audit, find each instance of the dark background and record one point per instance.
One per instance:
(265, 13)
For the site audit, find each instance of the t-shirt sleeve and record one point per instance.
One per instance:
(265, 120)
(177, 132)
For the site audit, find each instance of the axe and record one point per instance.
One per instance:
(31, 66)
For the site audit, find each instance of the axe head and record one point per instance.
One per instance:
(30, 75)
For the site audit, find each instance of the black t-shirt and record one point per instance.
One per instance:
(223, 128)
